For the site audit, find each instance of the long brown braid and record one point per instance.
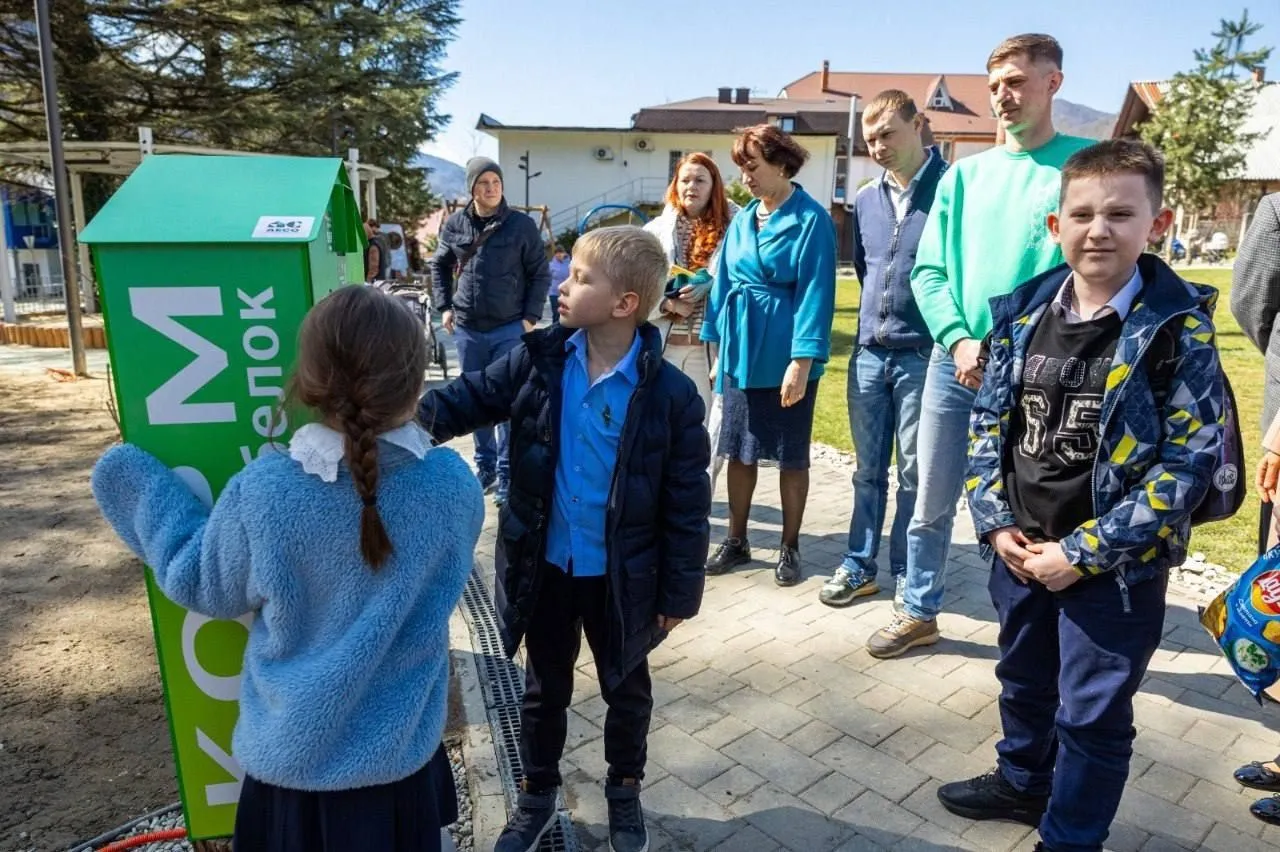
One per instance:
(361, 362)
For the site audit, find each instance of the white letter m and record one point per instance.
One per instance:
(156, 307)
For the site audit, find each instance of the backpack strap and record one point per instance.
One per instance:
(489, 231)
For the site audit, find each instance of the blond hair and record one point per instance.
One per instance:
(632, 258)
(890, 101)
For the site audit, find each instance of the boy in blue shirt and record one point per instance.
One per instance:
(1093, 438)
(605, 532)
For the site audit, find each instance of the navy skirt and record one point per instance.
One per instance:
(755, 429)
(404, 816)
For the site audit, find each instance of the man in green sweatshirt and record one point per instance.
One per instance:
(986, 234)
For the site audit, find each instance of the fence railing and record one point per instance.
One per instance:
(646, 190)
(44, 294)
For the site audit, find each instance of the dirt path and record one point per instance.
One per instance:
(83, 740)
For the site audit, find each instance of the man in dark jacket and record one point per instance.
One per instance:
(887, 370)
(489, 279)
(605, 532)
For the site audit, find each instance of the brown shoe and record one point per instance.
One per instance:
(902, 634)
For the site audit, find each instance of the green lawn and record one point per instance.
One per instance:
(1231, 543)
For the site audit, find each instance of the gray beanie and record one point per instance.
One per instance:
(477, 166)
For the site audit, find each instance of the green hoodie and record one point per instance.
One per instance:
(987, 234)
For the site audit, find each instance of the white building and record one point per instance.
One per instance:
(582, 168)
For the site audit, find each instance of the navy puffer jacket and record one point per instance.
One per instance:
(657, 529)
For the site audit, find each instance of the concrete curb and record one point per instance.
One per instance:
(488, 798)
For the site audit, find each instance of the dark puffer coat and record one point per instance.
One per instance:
(656, 532)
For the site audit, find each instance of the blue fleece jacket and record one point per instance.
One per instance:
(346, 671)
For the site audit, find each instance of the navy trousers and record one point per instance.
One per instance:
(567, 608)
(1070, 664)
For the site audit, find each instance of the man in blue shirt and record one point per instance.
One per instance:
(887, 370)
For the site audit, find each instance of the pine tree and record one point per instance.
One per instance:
(1197, 122)
(305, 77)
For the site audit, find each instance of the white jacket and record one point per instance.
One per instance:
(664, 228)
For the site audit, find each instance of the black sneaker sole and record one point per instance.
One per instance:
(787, 582)
(1026, 816)
(725, 568)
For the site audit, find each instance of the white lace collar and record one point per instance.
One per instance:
(320, 449)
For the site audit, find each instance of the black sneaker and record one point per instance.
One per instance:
(487, 479)
(990, 796)
(533, 817)
(626, 818)
(788, 571)
(731, 553)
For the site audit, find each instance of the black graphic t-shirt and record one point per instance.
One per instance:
(1053, 434)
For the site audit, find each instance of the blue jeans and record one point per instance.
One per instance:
(553, 299)
(1070, 664)
(885, 387)
(943, 441)
(476, 351)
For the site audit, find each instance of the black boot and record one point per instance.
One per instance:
(990, 796)
(626, 818)
(533, 817)
(731, 553)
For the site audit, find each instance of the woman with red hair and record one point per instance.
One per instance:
(691, 229)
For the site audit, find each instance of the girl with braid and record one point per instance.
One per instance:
(348, 552)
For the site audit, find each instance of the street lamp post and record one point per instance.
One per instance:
(61, 188)
(524, 167)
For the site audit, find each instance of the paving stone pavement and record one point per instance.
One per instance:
(774, 730)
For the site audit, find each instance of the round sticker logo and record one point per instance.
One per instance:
(1226, 477)
(1265, 593)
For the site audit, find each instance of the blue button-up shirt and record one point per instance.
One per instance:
(591, 418)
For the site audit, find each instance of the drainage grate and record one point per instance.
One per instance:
(503, 685)
(501, 680)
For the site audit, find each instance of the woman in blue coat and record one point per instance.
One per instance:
(769, 325)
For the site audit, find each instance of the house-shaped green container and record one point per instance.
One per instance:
(207, 266)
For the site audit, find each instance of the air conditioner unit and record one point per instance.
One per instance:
(644, 144)
(602, 153)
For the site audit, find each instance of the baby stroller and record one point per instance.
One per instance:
(417, 298)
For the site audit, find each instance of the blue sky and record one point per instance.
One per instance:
(595, 62)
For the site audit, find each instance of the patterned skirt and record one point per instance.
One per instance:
(756, 429)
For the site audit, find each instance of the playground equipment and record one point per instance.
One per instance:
(632, 213)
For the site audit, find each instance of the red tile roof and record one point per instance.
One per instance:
(972, 108)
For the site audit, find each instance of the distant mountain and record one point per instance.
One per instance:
(446, 179)
(1080, 120)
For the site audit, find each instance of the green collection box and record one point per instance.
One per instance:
(207, 266)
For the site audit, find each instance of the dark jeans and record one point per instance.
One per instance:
(554, 301)
(476, 351)
(567, 607)
(1070, 664)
